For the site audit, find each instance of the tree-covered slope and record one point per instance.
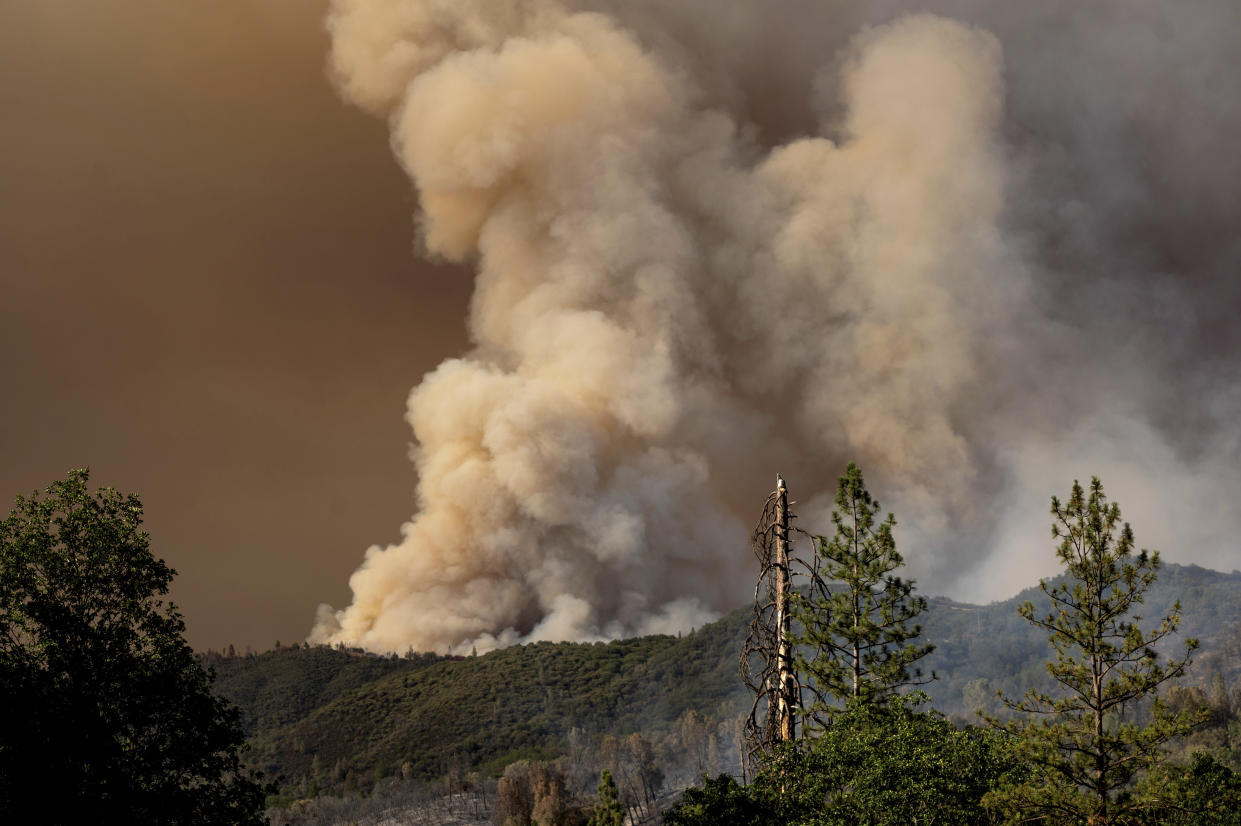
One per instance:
(319, 716)
(280, 687)
(474, 711)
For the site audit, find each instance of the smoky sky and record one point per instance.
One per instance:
(679, 246)
(978, 249)
(210, 295)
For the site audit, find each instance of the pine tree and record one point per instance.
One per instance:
(857, 641)
(608, 810)
(1104, 663)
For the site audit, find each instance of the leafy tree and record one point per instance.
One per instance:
(721, 802)
(888, 765)
(104, 698)
(856, 642)
(608, 809)
(1089, 752)
(878, 764)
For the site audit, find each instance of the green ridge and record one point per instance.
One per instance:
(319, 714)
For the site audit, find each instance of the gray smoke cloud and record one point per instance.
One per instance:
(979, 250)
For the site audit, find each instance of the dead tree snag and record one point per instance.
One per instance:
(766, 663)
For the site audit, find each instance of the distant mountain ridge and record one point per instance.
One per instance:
(323, 718)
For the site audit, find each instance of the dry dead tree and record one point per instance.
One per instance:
(767, 662)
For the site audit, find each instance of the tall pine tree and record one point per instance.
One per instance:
(1090, 752)
(858, 638)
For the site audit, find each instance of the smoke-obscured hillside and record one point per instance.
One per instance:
(325, 719)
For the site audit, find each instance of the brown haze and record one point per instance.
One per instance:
(209, 295)
(713, 240)
(981, 251)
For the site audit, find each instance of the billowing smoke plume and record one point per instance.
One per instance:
(980, 254)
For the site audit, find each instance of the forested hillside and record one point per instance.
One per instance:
(983, 648)
(326, 719)
(426, 714)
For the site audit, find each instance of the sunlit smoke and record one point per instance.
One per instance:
(674, 300)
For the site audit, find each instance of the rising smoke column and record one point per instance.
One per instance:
(671, 304)
(653, 288)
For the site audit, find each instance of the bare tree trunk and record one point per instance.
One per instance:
(766, 661)
(787, 698)
(857, 610)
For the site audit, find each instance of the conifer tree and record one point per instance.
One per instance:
(1090, 752)
(608, 810)
(858, 641)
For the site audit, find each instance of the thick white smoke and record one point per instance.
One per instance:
(669, 308)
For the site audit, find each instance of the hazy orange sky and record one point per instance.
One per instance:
(210, 297)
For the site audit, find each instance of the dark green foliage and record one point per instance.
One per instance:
(608, 810)
(278, 688)
(879, 765)
(857, 640)
(1104, 665)
(104, 701)
(485, 711)
(888, 765)
(720, 802)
